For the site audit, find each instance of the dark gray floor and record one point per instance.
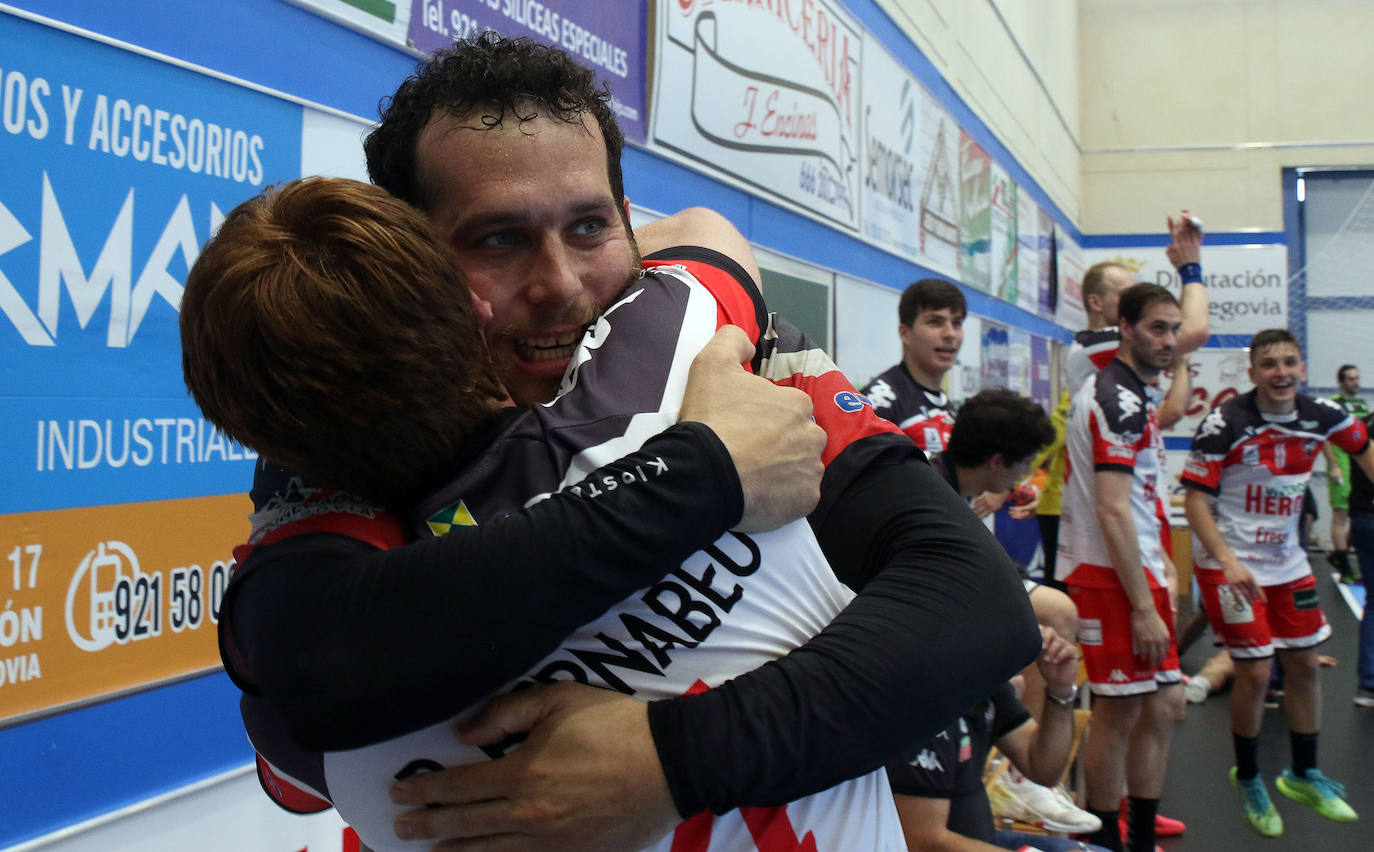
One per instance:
(1198, 791)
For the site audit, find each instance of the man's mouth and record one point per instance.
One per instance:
(546, 348)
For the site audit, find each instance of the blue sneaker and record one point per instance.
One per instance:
(1318, 792)
(1259, 811)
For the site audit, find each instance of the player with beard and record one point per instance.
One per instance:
(1112, 559)
(514, 156)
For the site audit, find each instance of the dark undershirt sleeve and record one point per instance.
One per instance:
(941, 619)
(466, 613)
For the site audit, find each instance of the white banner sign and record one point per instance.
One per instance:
(384, 20)
(1069, 310)
(766, 94)
(1247, 286)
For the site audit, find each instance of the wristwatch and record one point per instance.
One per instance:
(1066, 701)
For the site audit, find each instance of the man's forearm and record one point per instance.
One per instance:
(935, 580)
(1204, 526)
(1049, 752)
(1118, 533)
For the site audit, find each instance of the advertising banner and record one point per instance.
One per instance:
(608, 36)
(1247, 286)
(1003, 243)
(894, 109)
(937, 162)
(114, 168)
(975, 226)
(1215, 375)
(1069, 264)
(766, 95)
(1042, 379)
(1045, 260)
(996, 356)
(384, 20)
(1027, 253)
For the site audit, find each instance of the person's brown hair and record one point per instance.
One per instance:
(1095, 279)
(326, 327)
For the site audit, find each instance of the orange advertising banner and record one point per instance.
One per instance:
(104, 600)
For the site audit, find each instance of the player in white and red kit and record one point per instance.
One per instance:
(1111, 557)
(1246, 476)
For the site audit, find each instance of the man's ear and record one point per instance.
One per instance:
(626, 204)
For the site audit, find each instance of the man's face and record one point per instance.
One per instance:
(1277, 371)
(528, 209)
(1010, 474)
(1350, 382)
(1152, 340)
(933, 339)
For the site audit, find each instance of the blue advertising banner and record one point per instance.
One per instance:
(609, 36)
(114, 168)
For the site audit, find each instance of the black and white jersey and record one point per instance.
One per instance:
(926, 416)
(747, 599)
(1256, 466)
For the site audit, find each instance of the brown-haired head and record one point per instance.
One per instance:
(326, 327)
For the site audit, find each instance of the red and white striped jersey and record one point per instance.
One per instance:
(1256, 467)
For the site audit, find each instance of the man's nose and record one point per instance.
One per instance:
(553, 277)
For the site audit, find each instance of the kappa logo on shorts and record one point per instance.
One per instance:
(1117, 676)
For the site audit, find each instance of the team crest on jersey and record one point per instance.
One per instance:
(454, 515)
(1249, 455)
(851, 401)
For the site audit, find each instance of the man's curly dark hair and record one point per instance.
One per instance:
(500, 77)
(998, 421)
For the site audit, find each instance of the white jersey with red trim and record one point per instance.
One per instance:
(748, 599)
(1091, 350)
(1256, 466)
(1112, 426)
(926, 416)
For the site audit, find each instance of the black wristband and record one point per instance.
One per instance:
(1191, 273)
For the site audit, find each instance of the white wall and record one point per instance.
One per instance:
(1200, 103)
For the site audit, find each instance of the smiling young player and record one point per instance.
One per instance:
(1248, 469)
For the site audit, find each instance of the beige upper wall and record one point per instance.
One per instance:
(1201, 103)
(1015, 63)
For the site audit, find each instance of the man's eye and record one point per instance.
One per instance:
(498, 239)
(588, 227)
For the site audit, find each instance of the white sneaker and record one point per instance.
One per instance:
(1196, 689)
(1014, 796)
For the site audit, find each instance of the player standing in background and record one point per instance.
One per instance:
(1112, 559)
(1338, 476)
(1246, 474)
(930, 324)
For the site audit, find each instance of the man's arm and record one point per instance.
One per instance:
(1365, 460)
(1118, 533)
(925, 824)
(1204, 526)
(1180, 393)
(698, 226)
(1041, 751)
(1333, 466)
(1185, 253)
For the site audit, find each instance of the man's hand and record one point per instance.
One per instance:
(987, 503)
(587, 778)
(1025, 499)
(1185, 241)
(774, 443)
(1151, 636)
(1058, 661)
(1239, 578)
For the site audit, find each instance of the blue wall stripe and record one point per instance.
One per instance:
(1223, 238)
(75, 766)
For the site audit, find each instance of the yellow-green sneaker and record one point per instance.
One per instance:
(1318, 792)
(1259, 811)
